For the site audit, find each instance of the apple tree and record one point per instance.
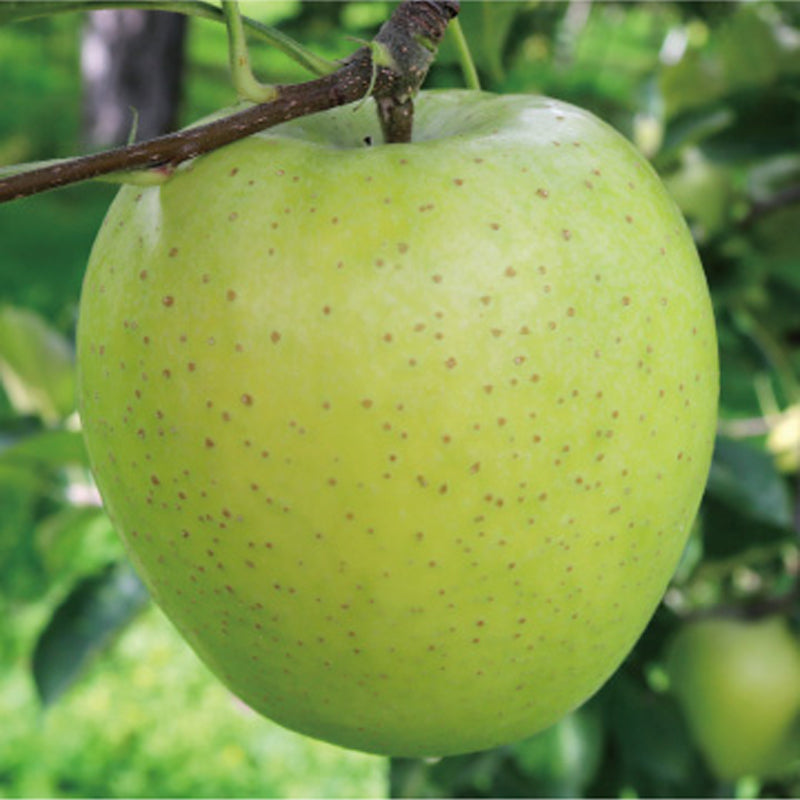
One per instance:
(405, 402)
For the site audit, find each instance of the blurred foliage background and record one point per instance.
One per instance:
(100, 698)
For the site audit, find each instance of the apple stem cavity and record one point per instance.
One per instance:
(407, 43)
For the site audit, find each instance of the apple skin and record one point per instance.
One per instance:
(406, 440)
(738, 683)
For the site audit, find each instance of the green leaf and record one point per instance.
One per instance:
(562, 761)
(470, 774)
(36, 365)
(748, 32)
(693, 83)
(728, 532)
(748, 503)
(486, 26)
(50, 448)
(704, 191)
(84, 625)
(77, 540)
(489, 773)
(693, 128)
(777, 237)
(558, 762)
(21, 571)
(651, 741)
(746, 480)
(744, 54)
(410, 777)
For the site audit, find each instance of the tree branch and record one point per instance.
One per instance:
(406, 46)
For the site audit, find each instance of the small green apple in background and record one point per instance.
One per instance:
(406, 440)
(738, 683)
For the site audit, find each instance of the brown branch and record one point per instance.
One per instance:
(405, 48)
(343, 86)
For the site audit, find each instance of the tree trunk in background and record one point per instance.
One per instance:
(131, 59)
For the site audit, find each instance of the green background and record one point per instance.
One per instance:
(99, 697)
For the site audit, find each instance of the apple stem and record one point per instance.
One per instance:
(406, 45)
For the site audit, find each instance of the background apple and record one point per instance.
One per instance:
(406, 440)
(739, 685)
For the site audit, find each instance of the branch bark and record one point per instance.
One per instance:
(392, 69)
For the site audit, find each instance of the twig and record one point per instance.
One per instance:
(407, 43)
(468, 68)
(247, 86)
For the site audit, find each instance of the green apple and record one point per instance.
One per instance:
(738, 683)
(405, 439)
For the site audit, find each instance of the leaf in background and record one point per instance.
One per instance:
(695, 83)
(651, 741)
(749, 48)
(744, 54)
(22, 575)
(704, 192)
(52, 448)
(559, 762)
(473, 774)
(777, 237)
(765, 124)
(747, 481)
(728, 532)
(453, 776)
(486, 26)
(562, 760)
(410, 777)
(693, 128)
(77, 541)
(84, 625)
(773, 174)
(36, 365)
